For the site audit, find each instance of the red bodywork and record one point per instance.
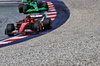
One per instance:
(25, 21)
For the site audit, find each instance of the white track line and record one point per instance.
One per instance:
(6, 42)
(52, 18)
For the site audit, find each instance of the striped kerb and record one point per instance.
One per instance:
(51, 14)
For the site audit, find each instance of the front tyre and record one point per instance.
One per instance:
(10, 28)
(20, 7)
(25, 9)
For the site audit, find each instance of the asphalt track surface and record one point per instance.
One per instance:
(62, 15)
(75, 43)
(9, 14)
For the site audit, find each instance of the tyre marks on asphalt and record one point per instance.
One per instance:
(3, 20)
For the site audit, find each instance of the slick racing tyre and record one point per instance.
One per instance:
(40, 4)
(9, 29)
(20, 7)
(36, 27)
(47, 24)
(45, 5)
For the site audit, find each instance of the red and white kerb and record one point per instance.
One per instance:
(51, 14)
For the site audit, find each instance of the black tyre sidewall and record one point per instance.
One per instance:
(40, 4)
(45, 5)
(20, 7)
(9, 29)
(24, 9)
(47, 24)
(36, 26)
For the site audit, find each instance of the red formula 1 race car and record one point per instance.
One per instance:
(30, 24)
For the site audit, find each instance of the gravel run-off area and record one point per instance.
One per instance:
(75, 43)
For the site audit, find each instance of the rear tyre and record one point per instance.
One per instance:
(45, 5)
(40, 4)
(47, 24)
(20, 7)
(9, 29)
(36, 27)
